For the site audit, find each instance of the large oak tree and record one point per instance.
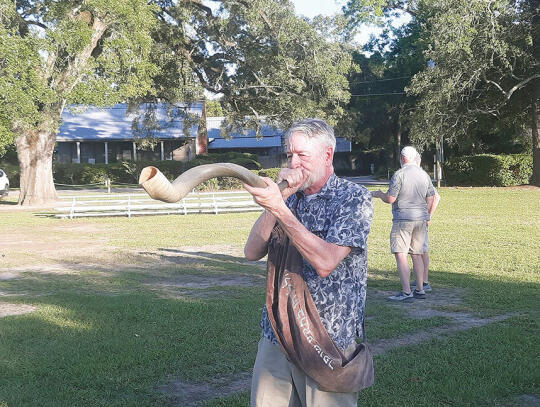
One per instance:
(262, 59)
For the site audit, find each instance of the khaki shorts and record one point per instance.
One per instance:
(408, 236)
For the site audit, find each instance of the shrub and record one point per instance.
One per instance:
(127, 172)
(489, 170)
(228, 183)
(271, 173)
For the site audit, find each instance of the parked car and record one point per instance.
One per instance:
(4, 184)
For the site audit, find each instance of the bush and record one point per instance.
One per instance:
(227, 183)
(271, 173)
(127, 172)
(489, 170)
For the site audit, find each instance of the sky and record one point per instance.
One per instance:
(311, 8)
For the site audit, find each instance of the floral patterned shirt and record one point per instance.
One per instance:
(339, 213)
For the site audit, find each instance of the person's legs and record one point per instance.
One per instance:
(400, 241)
(271, 384)
(404, 271)
(418, 267)
(418, 238)
(425, 259)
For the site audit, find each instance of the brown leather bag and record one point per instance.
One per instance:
(299, 330)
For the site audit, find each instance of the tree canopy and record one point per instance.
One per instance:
(484, 78)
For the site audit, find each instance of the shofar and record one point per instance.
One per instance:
(159, 187)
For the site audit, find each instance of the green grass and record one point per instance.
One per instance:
(106, 333)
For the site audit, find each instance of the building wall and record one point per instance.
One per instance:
(94, 152)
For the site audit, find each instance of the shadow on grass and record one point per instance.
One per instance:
(102, 336)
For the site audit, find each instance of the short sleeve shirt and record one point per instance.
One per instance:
(410, 185)
(340, 213)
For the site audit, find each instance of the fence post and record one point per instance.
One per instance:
(184, 203)
(215, 203)
(72, 208)
(129, 206)
(108, 184)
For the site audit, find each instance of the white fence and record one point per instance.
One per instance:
(141, 204)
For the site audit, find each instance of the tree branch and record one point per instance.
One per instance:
(37, 23)
(516, 87)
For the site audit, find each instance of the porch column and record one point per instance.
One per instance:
(106, 153)
(134, 151)
(78, 152)
(162, 151)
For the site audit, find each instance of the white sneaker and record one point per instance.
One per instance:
(426, 286)
(401, 296)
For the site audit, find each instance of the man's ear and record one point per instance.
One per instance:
(328, 155)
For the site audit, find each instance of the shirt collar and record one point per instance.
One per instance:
(327, 190)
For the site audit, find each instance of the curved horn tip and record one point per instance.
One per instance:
(147, 173)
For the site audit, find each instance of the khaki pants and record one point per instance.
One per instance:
(278, 383)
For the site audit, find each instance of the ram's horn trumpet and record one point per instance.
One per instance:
(159, 187)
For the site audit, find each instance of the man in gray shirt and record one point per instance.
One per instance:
(411, 193)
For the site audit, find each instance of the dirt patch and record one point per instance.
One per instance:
(463, 323)
(201, 286)
(435, 304)
(6, 275)
(7, 309)
(523, 400)
(33, 248)
(426, 308)
(215, 271)
(191, 394)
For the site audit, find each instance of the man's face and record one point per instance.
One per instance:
(308, 155)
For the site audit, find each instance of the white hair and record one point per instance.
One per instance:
(314, 129)
(409, 153)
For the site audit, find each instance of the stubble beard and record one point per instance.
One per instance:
(313, 177)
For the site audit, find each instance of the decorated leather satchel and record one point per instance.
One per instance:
(299, 330)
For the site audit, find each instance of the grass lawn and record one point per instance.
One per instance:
(163, 310)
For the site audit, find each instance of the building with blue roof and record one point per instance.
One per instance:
(268, 146)
(106, 135)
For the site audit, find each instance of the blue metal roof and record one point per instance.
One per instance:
(245, 142)
(115, 123)
(213, 126)
(271, 137)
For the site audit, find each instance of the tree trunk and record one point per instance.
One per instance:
(535, 179)
(35, 151)
(397, 155)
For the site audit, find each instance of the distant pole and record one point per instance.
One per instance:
(438, 161)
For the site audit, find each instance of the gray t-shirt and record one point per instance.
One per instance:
(410, 185)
